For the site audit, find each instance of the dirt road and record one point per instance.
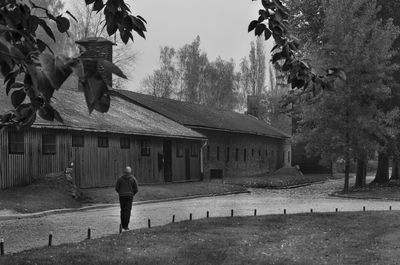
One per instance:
(26, 233)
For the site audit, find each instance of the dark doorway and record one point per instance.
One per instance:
(167, 153)
(187, 163)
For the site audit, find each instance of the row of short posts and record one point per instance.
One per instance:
(89, 231)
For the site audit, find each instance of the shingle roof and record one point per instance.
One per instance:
(123, 117)
(199, 116)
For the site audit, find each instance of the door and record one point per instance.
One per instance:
(187, 163)
(167, 155)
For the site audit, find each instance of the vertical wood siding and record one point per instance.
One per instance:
(93, 166)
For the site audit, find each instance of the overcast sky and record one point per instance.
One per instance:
(221, 25)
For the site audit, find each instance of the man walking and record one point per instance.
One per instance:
(126, 187)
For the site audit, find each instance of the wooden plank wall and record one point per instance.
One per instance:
(93, 166)
(253, 165)
(178, 163)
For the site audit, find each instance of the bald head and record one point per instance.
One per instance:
(128, 170)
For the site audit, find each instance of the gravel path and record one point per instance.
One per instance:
(26, 233)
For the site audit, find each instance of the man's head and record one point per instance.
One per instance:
(128, 170)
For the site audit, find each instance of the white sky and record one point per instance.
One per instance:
(221, 25)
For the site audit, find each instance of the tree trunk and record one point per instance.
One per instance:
(395, 168)
(361, 176)
(382, 173)
(346, 176)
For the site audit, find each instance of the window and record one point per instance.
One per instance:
(179, 149)
(244, 154)
(208, 152)
(49, 144)
(218, 153)
(145, 147)
(16, 142)
(125, 142)
(78, 140)
(194, 150)
(237, 154)
(227, 154)
(102, 141)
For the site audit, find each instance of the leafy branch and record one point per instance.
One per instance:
(24, 57)
(305, 84)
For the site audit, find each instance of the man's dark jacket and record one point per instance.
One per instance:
(126, 186)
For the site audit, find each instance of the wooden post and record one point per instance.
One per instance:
(390, 207)
(89, 233)
(190, 217)
(363, 208)
(231, 212)
(336, 210)
(120, 228)
(173, 218)
(149, 223)
(311, 211)
(284, 211)
(50, 239)
(255, 212)
(208, 214)
(1, 247)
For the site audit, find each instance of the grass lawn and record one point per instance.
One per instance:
(334, 238)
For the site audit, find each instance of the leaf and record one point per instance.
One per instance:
(141, 18)
(56, 69)
(259, 29)
(253, 24)
(98, 5)
(47, 113)
(276, 57)
(17, 97)
(264, 14)
(94, 89)
(111, 28)
(69, 13)
(62, 24)
(111, 68)
(267, 34)
(16, 85)
(47, 29)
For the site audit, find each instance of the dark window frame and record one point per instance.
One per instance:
(78, 140)
(125, 142)
(179, 149)
(194, 150)
(16, 147)
(217, 153)
(227, 154)
(145, 147)
(102, 142)
(49, 144)
(244, 154)
(237, 154)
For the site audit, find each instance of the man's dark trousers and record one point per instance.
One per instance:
(126, 206)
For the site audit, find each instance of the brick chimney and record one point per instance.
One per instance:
(253, 105)
(98, 48)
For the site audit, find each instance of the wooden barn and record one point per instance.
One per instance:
(100, 145)
(237, 144)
